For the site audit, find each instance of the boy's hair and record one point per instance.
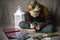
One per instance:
(34, 6)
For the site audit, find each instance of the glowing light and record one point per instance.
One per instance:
(19, 16)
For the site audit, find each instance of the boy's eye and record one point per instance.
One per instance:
(36, 11)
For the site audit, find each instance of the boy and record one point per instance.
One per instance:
(37, 17)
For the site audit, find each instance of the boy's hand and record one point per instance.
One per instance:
(32, 25)
(38, 27)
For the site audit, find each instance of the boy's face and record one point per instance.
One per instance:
(34, 13)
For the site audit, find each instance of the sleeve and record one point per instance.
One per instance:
(27, 18)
